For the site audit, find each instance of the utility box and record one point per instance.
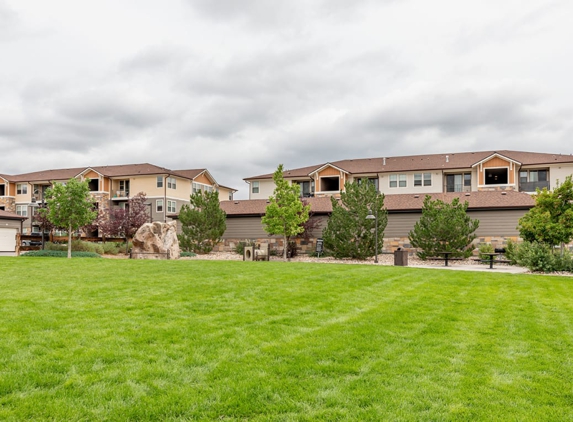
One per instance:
(249, 253)
(401, 257)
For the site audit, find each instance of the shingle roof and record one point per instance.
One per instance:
(6, 215)
(448, 161)
(191, 173)
(399, 203)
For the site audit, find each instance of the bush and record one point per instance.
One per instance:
(186, 254)
(485, 248)
(60, 254)
(511, 251)
(540, 257)
(240, 248)
(111, 248)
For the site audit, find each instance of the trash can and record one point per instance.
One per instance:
(401, 257)
(249, 253)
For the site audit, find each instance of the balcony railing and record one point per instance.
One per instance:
(532, 186)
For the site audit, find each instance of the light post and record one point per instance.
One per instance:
(375, 218)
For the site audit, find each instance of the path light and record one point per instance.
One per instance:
(375, 218)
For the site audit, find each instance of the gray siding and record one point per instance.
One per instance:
(245, 228)
(497, 223)
(8, 223)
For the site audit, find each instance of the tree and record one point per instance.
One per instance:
(124, 222)
(443, 227)
(203, 223)
(70, 206)
(550, 221)
(285, 214)
(348, 233)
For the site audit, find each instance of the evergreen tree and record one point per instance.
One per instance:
(70, 206)
(349, 234)
(443, 227)
(203, 223)
(551, 220)
(286, 214)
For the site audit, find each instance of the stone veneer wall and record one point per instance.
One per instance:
(390, 244)
(8, 203)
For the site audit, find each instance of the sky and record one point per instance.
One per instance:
(241, 86)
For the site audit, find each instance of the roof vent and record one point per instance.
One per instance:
(236, 202)
(416, 196)
(447, 158)
(467, 194)
(504, 193)
(384, 161)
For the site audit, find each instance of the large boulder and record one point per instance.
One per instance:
(156, 241)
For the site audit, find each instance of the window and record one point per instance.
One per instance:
(393, 180)
(425, 179)
(208, 188)
(402, 180)
(171, 183)
(254, 187)
(496, 176)
(533, 176)
(230, 196)
(461, 182)
(159, 181)
(123, 188)
(306, 188)
(195, 187)
(22, 210)
(371, 180)
(2, 190)
(171, 206)
(21, 189)
(330, 184)
(159, 205)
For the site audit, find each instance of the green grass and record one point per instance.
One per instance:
(120, 340)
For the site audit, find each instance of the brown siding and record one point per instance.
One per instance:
(399, 225)
(497, 223)
(329, 171)
(245, 228)
(202, 179)
(91, 175)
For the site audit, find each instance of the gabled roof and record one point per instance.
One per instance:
(6, 215)
(449, 161)
(482, 200)
(496, 155)
(46, 175)
(190, 174)
(326, 166)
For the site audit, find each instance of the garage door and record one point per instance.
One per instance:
(7, 240)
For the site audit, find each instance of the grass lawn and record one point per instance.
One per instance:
(117, 340)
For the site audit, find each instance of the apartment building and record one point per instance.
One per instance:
(498, 186)
(111, 186)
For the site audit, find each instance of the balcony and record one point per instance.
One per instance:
(532, 186)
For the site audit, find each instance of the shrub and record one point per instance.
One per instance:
(511, 251)
(111, 248)
(60, 254)
(485, 248)
(240, 248)
(536, 257)
(186, 254)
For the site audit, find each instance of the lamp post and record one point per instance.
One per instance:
(375, 218)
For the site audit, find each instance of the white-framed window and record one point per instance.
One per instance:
(254, 187)
(22, 210)
(159, 205)
(393, 181)
(123, 188)
(21, 188)
(402, 181)
(171, 206)
(171, 183)
(496, 176)
(208, 188)
(159, 181)
(423, 179)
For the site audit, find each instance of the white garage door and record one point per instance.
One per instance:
(7, 240)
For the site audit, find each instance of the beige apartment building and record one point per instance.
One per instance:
(111, 186)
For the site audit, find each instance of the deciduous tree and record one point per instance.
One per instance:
(70, 206)
(286, 214)
(550, 221)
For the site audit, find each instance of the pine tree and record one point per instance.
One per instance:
(349, 234)
(443, 227)
(203, 223)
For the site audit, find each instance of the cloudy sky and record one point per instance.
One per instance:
(239, 86)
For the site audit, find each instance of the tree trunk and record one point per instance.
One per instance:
(70, 242)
